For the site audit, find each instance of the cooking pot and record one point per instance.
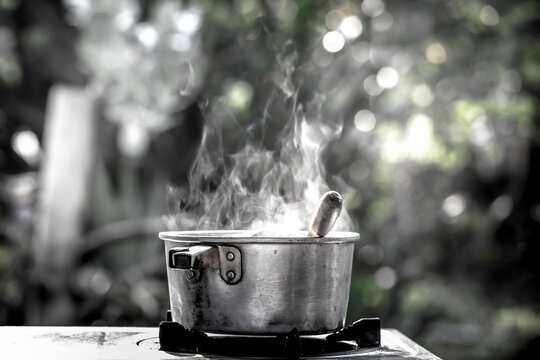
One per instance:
(236, 283)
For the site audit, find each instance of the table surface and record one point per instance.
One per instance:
(123, 343)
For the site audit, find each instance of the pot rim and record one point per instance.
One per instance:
(251, 236)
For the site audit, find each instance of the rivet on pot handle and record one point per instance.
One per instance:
(230, 264)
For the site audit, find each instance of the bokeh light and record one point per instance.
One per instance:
(333, 41)
(373, 8)
(133, 140)
(351, 27)
(501, 207)
(239, 95)
(364, 120)
(489, 16)
(454, 205)
(372, 86)
(387, 77)
(26, 144)
(385, 277)
(147, 35)
(436, 53)
(422, 96)
(187, 21)
(420, 136)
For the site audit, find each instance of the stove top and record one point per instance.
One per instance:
(123, 343)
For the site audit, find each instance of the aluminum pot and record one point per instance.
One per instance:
(233, 282)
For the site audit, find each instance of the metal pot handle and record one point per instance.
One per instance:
(190, 258)
(187, 257)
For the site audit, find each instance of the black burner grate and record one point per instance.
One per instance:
(363, 333)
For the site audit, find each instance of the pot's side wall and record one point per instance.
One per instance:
(283, 286)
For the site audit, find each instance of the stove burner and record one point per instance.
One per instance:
(364, 333)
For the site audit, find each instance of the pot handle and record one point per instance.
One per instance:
(187, 257)
(228, 259)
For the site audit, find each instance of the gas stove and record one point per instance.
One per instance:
(123, 343)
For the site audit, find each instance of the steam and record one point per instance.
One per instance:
(274, 182)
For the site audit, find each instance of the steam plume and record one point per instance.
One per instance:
(274, 183)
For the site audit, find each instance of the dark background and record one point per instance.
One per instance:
(443, 186)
